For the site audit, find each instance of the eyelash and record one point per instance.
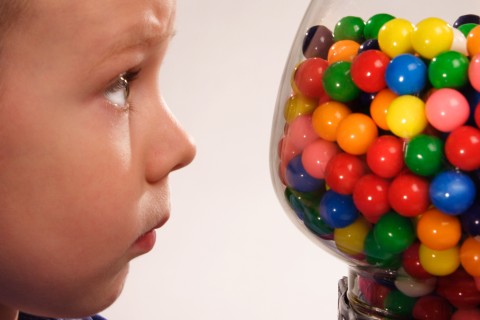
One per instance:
(123, 82)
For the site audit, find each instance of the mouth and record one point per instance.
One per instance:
(146, 241)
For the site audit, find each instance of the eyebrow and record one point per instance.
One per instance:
(141, 36)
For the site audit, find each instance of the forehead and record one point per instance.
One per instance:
(97, 22)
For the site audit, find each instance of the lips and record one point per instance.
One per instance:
(146, 241)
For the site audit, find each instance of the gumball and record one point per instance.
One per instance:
(372, 44)
(466, 314)
(300, 132)
(473, 41)
(385, 156)
(338, 83)
(343, 171)
(408, 195)
(368, 70)
(316, 224)
(470, 256)
(298, 201)
(411, 262)
(406, 74)
(343, 50)
(399, 304)
(447, 109)
(379, 107)
(316, 155)
(432, 36)
(439, 262)
(356, 133)
(439, 231)
(412, 287)
(375, 23)
(394, 37)
(337, 209)
(466, 28)
(377, 256)
(471, 220)
(394, 233)
(297, 177)
(406, 116)
(373, 292)
(349, 28)
(459, 288)
(317, 42)
(432, 307)
(448, 70)
(298, 105)
(452, 192)
(462, 148)
(308, 77)
(467, 18)
(350, 240)
(370, 196)
(424, 155)
(477, 283)
(459, 42)
(474, 72)
(326, 118)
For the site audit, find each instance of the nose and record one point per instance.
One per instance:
(171, 147)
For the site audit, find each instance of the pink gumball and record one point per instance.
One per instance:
(474, 72)
(466, 314)
(300, 132)
(316, 155)
(447, 109)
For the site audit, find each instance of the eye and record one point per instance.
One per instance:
(118, 92)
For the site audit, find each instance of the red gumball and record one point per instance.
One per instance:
(432, 307)
(385, 156)
(308, 77)
(477, 115)
(370, 196)
(373, 293)
(462, 148)
(409, 195)
(343, 171)
(459, 288)
(368, 70)
(411, 263)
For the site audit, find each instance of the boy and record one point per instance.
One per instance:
(86, 146)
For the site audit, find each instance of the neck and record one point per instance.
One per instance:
(7, 313)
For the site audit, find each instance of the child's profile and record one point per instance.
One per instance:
(86, 147)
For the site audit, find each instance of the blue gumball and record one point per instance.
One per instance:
(471, 220)
(299, 180)
(406, 74)
(452, 192)
(338, 210)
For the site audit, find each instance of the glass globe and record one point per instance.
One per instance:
(375, 151)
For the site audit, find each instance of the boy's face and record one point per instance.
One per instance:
(83, 172)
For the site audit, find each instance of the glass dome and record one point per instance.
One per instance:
(375, 151)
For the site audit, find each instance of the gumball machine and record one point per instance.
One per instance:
(375, 152)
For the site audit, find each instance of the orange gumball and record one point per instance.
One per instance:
(343, 50)
(327, 117)
(379, 107)
(439, 231)
(473, 41)
(470, 256)
(356, 133)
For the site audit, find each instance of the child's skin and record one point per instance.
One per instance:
(83, 172)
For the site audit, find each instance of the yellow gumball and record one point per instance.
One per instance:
(431, 37)
(406, 116)
(394, 37)
(439, 262)
(351, 239)
(298, 105)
